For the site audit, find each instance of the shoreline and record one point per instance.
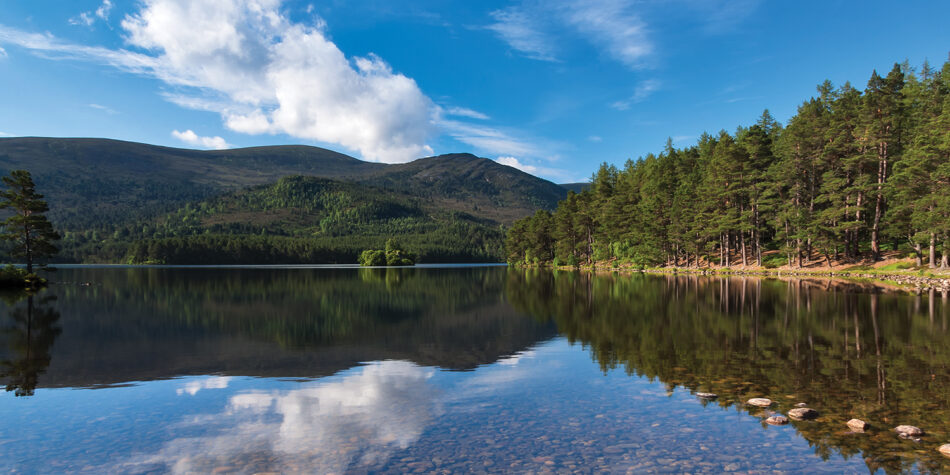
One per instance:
(911, 281)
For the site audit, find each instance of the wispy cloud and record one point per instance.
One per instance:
(88, 18)
(465, 112)
(613, 26)
(517, 27)
(723, 16)
(610, 25)
(3, 53)
(595, 138)
(49, 47)
(191, 138)
(538, 170)
(5, 134)
(103, 108)
(489, 139)
(642, 91)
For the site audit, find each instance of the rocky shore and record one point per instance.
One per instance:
(911, 282)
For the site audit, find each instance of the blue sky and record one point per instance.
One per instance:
(553, 87)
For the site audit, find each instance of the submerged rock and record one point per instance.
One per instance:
(759, 402)
(908, 431)
(945, 450)
(707, 395)
(777, 420)
(857, 425)
(802, 413)
(801, 404)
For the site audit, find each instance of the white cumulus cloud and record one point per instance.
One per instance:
(191, 138)
(104, 9)
(272, 75)
(264, 74)
(515, 163)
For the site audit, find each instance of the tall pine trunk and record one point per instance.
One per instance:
(855, 243)
(879, 202)
(933, 250)
(745, 262)
(728, 247)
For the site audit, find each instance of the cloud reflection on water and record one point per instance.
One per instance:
(212, 382)
(357, 420)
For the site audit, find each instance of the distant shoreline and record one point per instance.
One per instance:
(912, 281)
(271, 266)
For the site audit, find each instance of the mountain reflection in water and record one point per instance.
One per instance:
(384, 369)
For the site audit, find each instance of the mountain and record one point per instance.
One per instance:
(575, 187)
(118, 201)
(94, 182)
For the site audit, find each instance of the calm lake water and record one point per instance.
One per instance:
(468, 369)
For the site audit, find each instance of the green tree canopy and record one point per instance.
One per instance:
(28, 228)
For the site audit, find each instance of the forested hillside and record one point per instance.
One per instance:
(296, 220)
(117, 201)
(99, 183)
(853, 174)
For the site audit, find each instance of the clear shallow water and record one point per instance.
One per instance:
(467, 369)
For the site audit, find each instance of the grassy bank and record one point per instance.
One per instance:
(900, 274)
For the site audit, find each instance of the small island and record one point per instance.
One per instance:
(392, 255)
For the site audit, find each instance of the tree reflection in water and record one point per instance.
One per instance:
(846, 350)
(28, 335)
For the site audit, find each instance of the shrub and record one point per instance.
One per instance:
(774, 261)
(373, 257)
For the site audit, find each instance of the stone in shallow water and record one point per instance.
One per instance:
(801, 404)
(945, 450)
(857, 425)
(802, 413)
(707, 395)
(759, 402)
(777, 420)
(909, 431)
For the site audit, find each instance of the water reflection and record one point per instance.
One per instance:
(353, 422)
(146, 324)
(847, 351)
(338, 370)
(28, 335)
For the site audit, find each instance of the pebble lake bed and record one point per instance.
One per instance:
(469, 369)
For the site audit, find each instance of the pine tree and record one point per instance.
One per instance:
(883, 115)
(28, 228)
